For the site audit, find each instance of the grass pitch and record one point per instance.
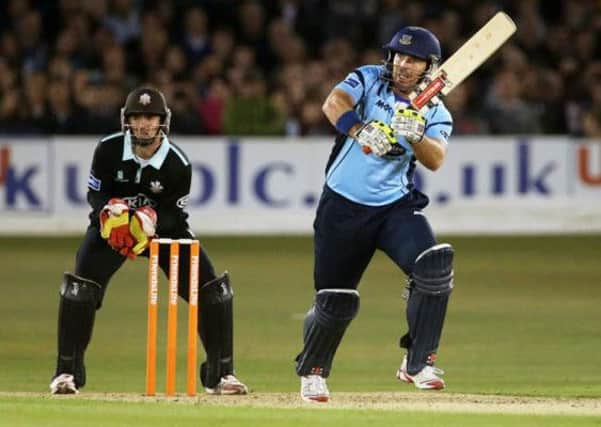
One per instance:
(523, 321)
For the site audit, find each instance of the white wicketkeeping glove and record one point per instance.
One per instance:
(376, 137)
(409, 124)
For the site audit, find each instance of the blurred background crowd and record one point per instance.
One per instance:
(265, 67)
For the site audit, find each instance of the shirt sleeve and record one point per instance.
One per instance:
(99, 182)
(440, 124)
(353, 84)
(171, 213)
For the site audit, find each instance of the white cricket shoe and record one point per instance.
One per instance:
(426, 379)
(63, 384)
(314, 389)
(228, 384)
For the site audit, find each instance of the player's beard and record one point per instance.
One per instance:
(404, 82)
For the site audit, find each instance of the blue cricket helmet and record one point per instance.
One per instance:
(415, 41)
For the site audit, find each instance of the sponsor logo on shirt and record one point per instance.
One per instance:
(351, 82)
(140, 200)
(384, 106)
(182, 201)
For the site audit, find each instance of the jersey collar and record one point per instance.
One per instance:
(156, 161)
(399, 98)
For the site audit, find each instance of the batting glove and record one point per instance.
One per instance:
(114, 224)
(142, 227)
(376, 137)
(409, 124)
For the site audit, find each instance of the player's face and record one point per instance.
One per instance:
(144, 126)
(407, 70)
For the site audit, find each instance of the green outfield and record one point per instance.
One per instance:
(524, 322)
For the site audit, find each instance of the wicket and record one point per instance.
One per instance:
(153, 296)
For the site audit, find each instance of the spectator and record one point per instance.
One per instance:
(96, 10)
(466, 121)
(506, 112)
(114, 68)
(35, 100)
(123, 21)
(62, 117)
(102, 103)
(250, 111)
(390, 20)
(312, 119)
(176, 63)
(309, 22)
(280, 102)
(11, 115)
(252, 31)
(544, 89)
(60, 68)
(15, 10)
(211, 68)
(592, 123)
(195, 42)
(362, 15)
(531, 30)
(591, 120)
(152, 51)
(10, 50)
(279, 35)
(185, 118)
(339, 56)
(34, 50)
(222, 44)
(211, 108)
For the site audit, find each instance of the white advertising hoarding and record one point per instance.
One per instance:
(258, 185)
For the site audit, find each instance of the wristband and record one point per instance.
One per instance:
(346, 121)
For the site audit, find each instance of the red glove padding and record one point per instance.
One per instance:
(142, 227)
(127, 251)
(114, 225)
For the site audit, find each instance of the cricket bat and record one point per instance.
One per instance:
(486, 41)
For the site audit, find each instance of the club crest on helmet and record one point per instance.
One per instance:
(145, 99)
(406, 39)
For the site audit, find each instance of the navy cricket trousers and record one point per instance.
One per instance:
(347, 235)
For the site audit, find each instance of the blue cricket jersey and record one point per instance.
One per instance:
(369, 179)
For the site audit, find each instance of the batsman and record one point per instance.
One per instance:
(370, 202)
(138, 188)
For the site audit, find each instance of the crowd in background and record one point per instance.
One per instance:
(265, 67)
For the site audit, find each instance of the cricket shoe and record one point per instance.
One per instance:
(228, 384)
(426, 379)
(63, 384)
(314, 389)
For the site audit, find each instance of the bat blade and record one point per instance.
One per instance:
(477, 49)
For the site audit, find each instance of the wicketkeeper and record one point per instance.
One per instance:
(138, 188)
